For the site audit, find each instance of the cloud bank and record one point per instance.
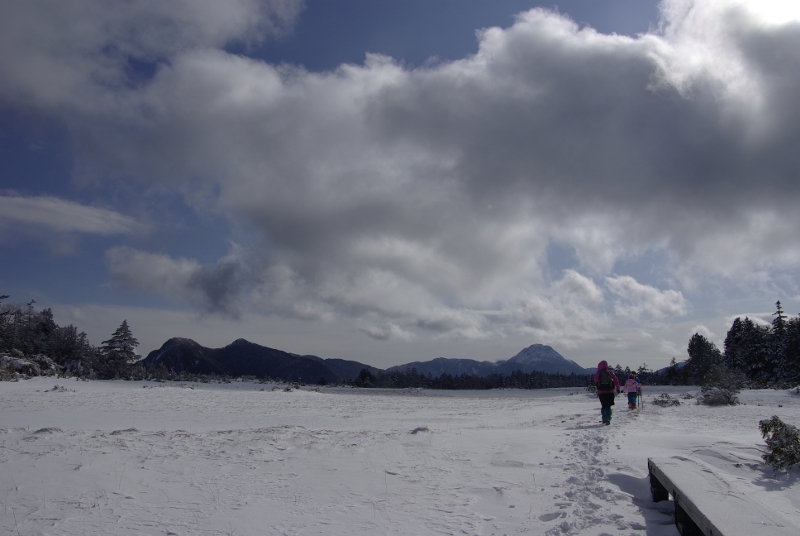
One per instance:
(63, 216)
(426, 201)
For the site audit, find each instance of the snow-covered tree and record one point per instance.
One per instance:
(118, 352)
(702, 355)
(748, 348)
(767, 354)
(779, 322)
(776, 346)
(790, 367)
(783, 443)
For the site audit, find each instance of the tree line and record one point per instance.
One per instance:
(25, 332)
(764, 354)
(411, 378)
(756, 354)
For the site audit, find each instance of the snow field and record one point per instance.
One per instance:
(240, 458)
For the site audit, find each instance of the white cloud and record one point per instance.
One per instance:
(387, 331)
(567, 312)
(702, 330)
(413, 199)
(669, 347)
(76, 54)
(64, 216)
(636, 301)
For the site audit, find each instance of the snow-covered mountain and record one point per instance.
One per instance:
(537, 357)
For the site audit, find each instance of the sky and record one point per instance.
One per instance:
(398, 181)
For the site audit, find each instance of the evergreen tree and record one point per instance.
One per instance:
(790, 369)
(365, 379)
(766, 354)
(779, 322)
(673, 375)
(118, 353)
(748, 348)
(734, 352)
(32, 333)
(703, 354)
(776, 346)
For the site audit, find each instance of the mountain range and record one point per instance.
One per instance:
(537, 357)
(244, 358)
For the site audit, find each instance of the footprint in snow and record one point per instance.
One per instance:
(551, 516)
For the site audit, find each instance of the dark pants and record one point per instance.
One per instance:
(606, 401)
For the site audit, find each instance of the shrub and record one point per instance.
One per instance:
(783, 443)
(664, 400)
(721, 385)
(716, 396)
(28, 366)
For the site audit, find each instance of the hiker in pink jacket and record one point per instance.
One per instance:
(607, 386)
(632, 388)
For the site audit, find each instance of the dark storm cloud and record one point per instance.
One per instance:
(212, 289)
(218, 287)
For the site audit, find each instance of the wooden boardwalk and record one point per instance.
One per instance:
(706, 504)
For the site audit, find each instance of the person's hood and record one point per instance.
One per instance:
(602, 365)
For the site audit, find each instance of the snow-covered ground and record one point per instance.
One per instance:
(240, 458)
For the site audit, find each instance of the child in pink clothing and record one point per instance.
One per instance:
(632, 388)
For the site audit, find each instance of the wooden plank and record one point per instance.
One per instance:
(716, 506)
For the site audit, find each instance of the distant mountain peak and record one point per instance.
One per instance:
(536, 357)
(536, 353)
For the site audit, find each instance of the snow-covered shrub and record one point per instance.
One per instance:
(721, 385)
(35, 365)
(20, 365)
(664, 400)
(8, 374)
(783, 443)
(716, 396)
(47, 366)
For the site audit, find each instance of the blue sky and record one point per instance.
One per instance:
(397, 181)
